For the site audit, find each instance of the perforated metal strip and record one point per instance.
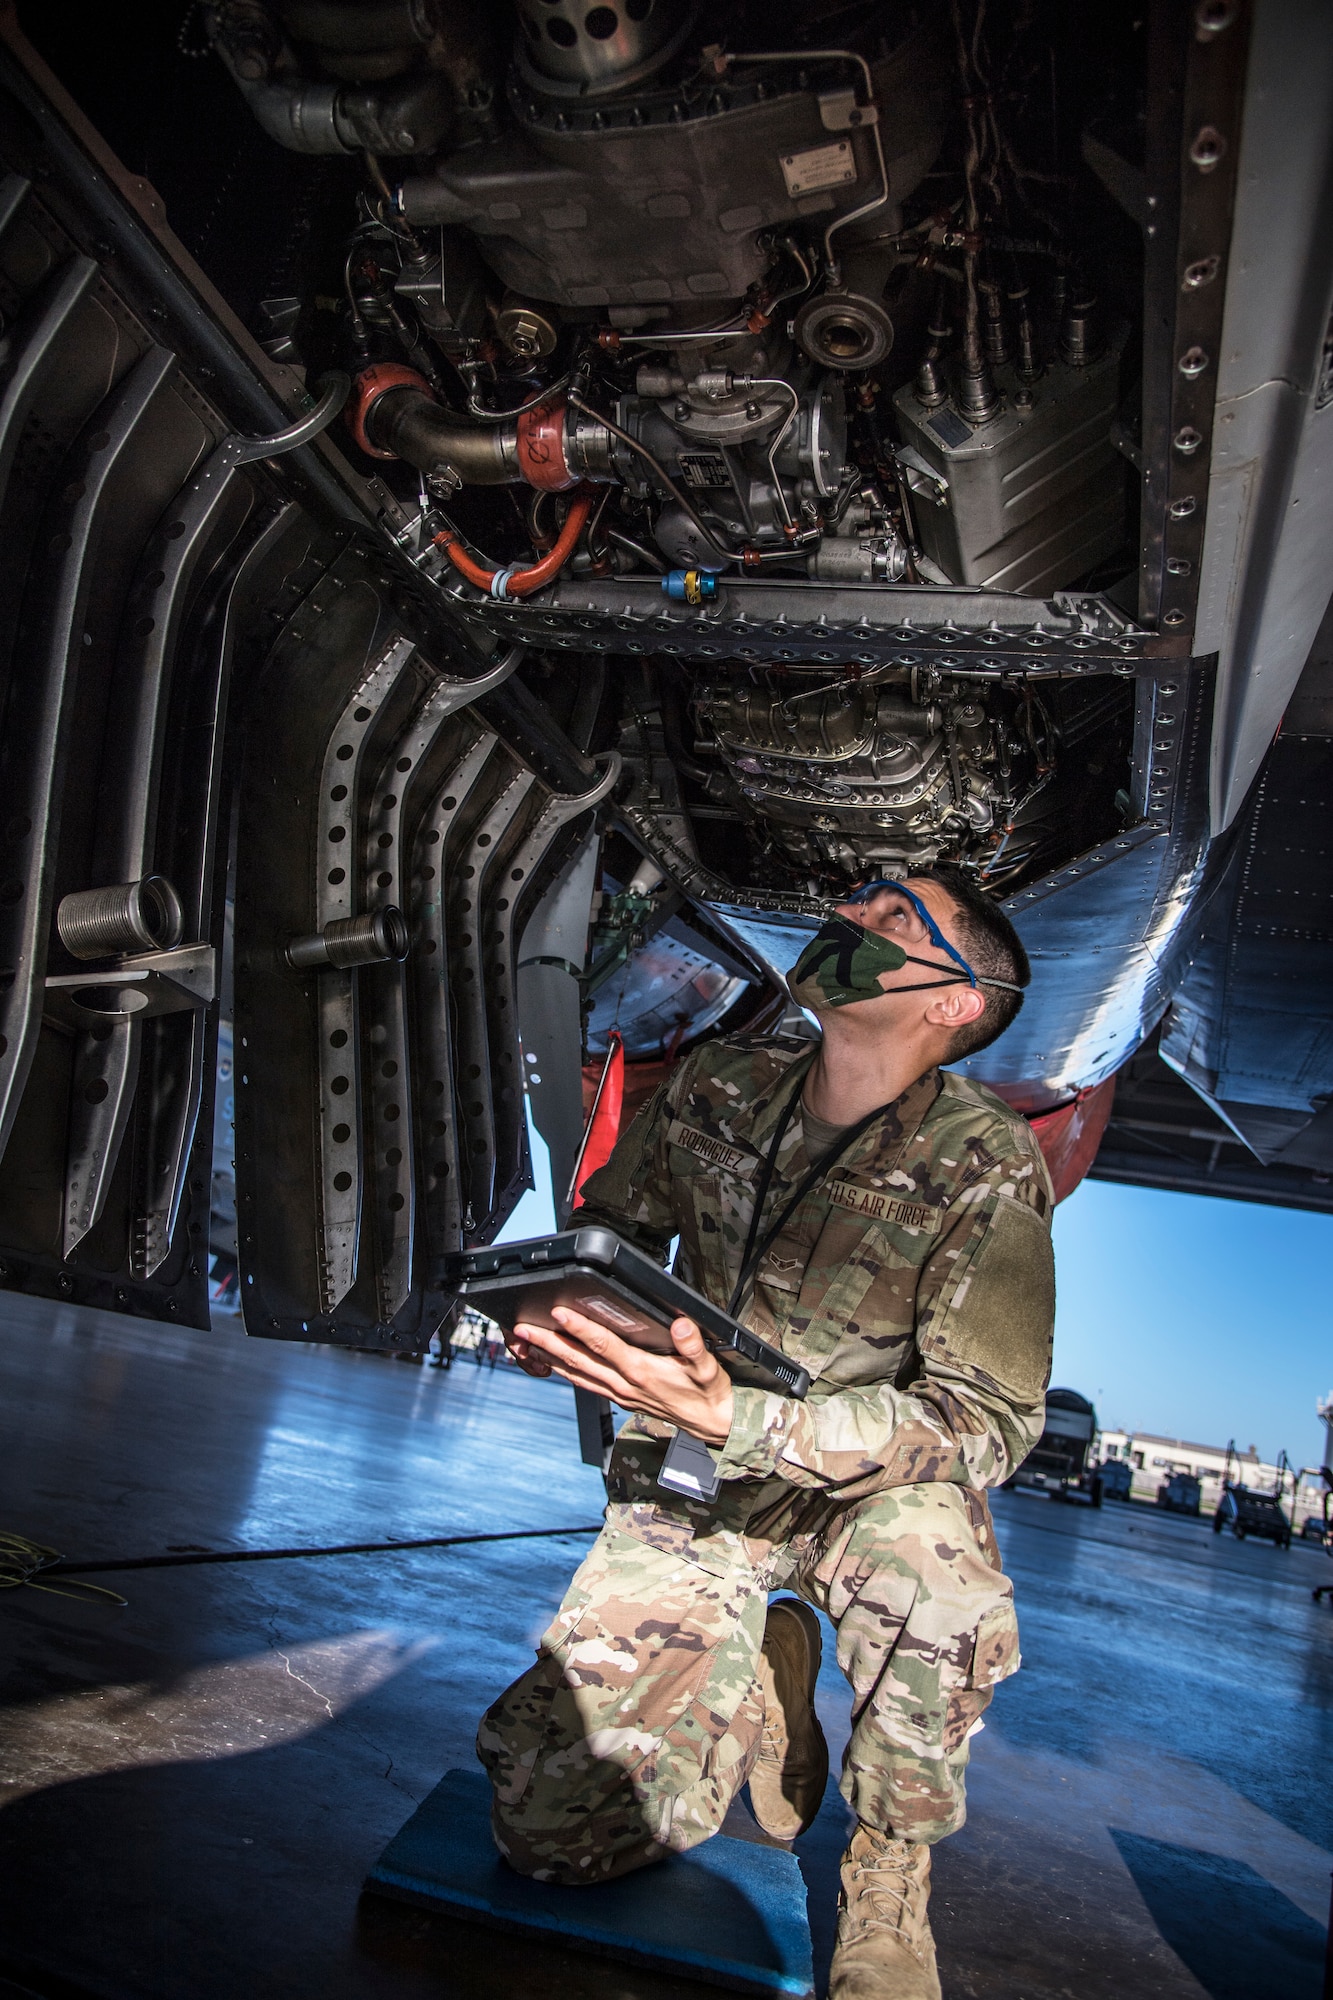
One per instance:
(486, 1068)
(169, 1105)
(436, 1101)
(385, 998)
(341, 1162)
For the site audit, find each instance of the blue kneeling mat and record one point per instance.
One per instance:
(729, 1913)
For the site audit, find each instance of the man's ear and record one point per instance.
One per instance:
(955, 1007)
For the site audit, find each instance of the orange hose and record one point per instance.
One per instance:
(522, 582)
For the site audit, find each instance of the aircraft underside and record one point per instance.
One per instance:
(507, 514)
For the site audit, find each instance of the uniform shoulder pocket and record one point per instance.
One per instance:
(998, 1313)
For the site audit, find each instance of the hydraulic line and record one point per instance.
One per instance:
(521, 582)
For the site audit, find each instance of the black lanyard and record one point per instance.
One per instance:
(755, 1252)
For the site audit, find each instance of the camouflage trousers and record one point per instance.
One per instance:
(642, 1716)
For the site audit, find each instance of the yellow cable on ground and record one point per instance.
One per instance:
(22, 1561)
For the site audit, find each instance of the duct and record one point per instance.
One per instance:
(407, 115)
(412, 427)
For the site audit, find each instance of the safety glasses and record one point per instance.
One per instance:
(919, 927)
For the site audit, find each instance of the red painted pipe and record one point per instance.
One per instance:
(522, 582)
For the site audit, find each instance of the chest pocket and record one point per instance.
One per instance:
(712, 1201)
(781, 1276)
(723, 1202)
(859, 1286)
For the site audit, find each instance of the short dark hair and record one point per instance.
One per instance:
(990, 945)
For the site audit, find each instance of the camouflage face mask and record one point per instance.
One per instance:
(842, 963)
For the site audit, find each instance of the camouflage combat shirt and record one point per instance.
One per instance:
(915, 1282)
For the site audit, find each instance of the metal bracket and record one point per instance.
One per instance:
(337, 387)
(135, 989)
(574, 803)
(922, 478)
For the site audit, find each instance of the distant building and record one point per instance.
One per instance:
(1154, 1459)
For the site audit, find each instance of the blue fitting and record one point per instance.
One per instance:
(690, 586)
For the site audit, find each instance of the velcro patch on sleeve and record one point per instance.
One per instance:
(885, 1207)
(715, 1151)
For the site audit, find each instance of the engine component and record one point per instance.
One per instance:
(704, 295)
(129, 916)
(348, 76)
(863, 548)
(552, 445)
(520, 582)
(445, 286)
(749, 431)
(526, 331)
(379, 937)
(1032, 498)
(569, 48)
(847, 327)
(411, 115)
(570, 206)
(841, 329)
(762, 455)
(690, 586)
(863, 775)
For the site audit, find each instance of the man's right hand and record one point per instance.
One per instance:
(689, 1388)
(529, 1358)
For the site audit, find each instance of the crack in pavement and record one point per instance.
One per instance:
(291, 1671)
(304, 1682)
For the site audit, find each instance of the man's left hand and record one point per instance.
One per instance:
(689, 1388)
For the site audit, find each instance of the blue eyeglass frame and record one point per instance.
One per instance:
(936, 937)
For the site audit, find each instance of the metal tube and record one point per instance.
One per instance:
(412, 427)
(651, 558)
(125, 917)
(776, 382)
(375, 938)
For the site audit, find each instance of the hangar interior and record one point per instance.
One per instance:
(507, 512)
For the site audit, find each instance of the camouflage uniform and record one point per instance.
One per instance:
(915, 1284)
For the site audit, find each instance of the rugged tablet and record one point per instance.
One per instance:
(593, 1272)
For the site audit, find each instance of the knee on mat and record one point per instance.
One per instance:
(572, 1856)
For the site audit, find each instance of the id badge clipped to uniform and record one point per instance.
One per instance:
(689, 1469)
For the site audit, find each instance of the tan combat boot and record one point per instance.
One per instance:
(788, 1779)
(884, 1950)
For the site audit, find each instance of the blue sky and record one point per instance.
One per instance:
(1196, 1318)
(1176, 1313)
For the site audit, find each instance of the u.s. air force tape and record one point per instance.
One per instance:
(884, 1207)
(716, 1151)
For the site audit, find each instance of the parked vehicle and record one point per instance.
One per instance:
(1117, 1477)
(1181, 1493)
(1058, 1462)
(1249, 1513)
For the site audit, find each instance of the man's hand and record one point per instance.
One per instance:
(690, 1389)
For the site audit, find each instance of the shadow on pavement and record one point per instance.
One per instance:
(1240, 1937)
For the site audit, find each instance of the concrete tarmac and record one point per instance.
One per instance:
(195, 1784)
